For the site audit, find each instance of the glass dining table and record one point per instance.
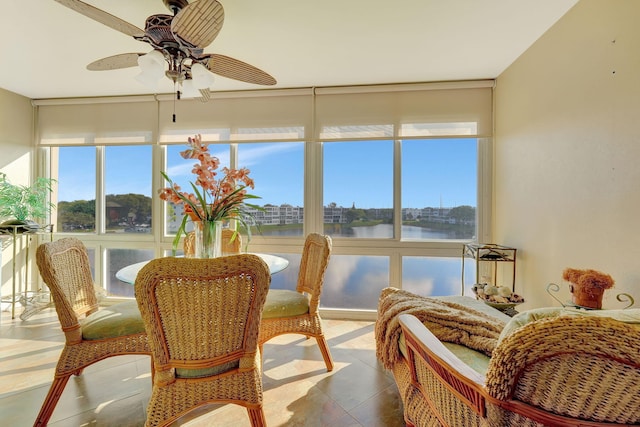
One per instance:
(129, 273)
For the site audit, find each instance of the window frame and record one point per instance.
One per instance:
(393, 248)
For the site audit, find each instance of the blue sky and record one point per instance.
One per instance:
(434, 172)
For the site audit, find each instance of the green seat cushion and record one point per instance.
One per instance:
(476, 360)
(284, 303)
(206, 372)
(114, 321)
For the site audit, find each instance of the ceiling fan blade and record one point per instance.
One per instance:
(238, 70)
(205, 95)
(199, 23)
(103, 17)
(123, 60)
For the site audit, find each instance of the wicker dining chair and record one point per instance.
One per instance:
(229, 243)
(296, 312)
(90, 334)
(203, 318)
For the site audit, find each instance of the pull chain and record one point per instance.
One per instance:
(176, 94)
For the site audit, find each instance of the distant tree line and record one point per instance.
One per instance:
(122, 211)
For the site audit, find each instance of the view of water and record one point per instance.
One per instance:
(408, 232)
(351, 281)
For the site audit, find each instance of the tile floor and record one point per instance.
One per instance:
(298, 391)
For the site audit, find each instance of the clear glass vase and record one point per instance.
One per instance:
(208, 239)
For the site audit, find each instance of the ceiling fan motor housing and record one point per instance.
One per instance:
(175, 5)
(158, 30)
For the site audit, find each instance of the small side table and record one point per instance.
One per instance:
(492, 254)
(17, 233)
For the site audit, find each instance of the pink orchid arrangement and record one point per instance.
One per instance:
(218, 198)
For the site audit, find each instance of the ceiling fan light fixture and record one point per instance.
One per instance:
(189, 90)
(149, 80)
(152, 64)
(202, 77)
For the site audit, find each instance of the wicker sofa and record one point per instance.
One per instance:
(549, 367)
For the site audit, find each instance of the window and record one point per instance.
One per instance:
(76, 202)
(128, 189)
(117, 259)
(278, 172)
(436, 276)
(358, 189)
(439, 188)
(355, 281)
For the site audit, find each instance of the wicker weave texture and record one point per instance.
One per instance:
(416, 411)
(201, 314)
(586, 368)
(313, 264)
(64, 267)
(453, 411)
(560, 371)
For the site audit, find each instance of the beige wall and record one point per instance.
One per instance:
(567, 152)
(16, 136)
(16, 158)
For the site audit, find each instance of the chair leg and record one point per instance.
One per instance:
(50, 402)
(256, 416)
(324, 349)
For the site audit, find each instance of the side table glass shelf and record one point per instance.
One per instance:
(487, 257)
(21, 239)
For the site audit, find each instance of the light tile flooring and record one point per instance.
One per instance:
(298, 391)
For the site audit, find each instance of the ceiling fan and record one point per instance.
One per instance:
(178, 43)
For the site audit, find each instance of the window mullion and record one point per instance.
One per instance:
(100, 190)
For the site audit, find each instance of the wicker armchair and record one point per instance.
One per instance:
(559, 371)
(296, 312)
(229, 243)
(91, 334)
(203, 317)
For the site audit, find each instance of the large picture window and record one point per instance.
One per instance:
(399, 176)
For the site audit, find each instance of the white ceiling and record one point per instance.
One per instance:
(302, 43)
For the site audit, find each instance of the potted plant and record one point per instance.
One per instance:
(22, 206)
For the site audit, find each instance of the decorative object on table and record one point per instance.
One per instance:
(21, 206)
(500, 297)
(231, 243)
(487, 257)
(213, 199)
(587, 286)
